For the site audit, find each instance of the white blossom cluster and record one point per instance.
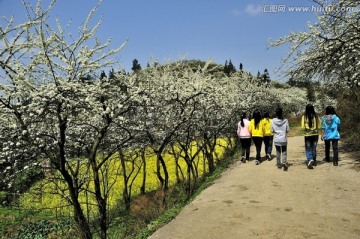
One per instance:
(329, 50)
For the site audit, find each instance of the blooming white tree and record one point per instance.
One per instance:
(168, 105)
(54, 112)
(330, 50)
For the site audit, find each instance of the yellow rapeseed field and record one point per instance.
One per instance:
(52, 194)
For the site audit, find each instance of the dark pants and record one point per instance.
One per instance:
(258, 142)
(245, 147)
(334, 143)
(268, 142)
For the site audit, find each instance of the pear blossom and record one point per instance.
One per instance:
(329, 51)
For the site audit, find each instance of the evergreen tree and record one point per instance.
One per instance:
(258, 75)
(266, 77)
(231, 67)
(112, 74)
(226, 68)
(136, 66)
(102, 75)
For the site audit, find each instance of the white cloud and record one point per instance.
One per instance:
(253, 10)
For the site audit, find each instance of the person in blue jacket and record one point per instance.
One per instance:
(330, 124)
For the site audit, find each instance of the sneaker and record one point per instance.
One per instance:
(257, 162)
(268, 157)
(335, 163)
(285, 166)
(243, 159)
(310, 164)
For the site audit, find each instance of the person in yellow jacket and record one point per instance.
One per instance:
(256, 129)
(268, 135)
(311, 125)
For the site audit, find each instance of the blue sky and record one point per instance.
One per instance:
(169, 30)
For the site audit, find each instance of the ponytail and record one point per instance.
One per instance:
(243, 116)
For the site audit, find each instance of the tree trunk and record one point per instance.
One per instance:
(101, 203)
(143, 185)
(208, 153)
(165, 180)
(158, 172)
(210, 159)
(82, 224)
(166, 173)
(126, 195)
(79, 217)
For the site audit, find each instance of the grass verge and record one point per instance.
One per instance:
(173, 211)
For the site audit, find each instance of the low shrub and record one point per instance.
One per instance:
(44, 229)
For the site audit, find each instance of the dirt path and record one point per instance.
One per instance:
(250, 201)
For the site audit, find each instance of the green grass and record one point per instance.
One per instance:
(19, 223)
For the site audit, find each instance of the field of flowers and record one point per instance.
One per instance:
(45, 195)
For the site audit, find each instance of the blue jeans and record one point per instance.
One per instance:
(310, 146)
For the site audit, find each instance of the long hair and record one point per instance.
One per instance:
(243, 116)
(257, 118)
(310, 115)
(330, 110)
(279, 113)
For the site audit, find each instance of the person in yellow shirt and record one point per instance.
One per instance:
(256, 130)
(310, 123)
(268, 135)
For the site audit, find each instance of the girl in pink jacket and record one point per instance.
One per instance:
(245, 137)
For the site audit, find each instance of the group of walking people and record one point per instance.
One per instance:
(262, 129)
